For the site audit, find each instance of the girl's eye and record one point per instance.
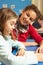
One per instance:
(27, 14)
(11, 24)
(31, 19)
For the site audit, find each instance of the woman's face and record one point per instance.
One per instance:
(27, 17)
(9, 26)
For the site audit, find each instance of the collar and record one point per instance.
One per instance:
(22, 28)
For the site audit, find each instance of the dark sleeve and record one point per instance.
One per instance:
(36, 25)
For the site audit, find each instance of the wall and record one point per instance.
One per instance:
(39, 4)
(16, 5)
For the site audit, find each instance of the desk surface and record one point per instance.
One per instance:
(32, 48)
(41, 31)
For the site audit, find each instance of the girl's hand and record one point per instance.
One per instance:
(21, 52)
(40, 49)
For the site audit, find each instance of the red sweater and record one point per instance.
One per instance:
(32, 32)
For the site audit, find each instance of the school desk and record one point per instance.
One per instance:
(29, 48)
(32, 48)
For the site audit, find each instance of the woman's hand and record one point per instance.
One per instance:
(40, 49)
(21, 52)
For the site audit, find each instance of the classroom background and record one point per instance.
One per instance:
(18, 5)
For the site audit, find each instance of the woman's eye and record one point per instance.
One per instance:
(27, 14)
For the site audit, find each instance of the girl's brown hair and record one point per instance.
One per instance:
(34, 8)
(6, 14)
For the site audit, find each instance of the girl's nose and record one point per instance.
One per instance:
(25, 19)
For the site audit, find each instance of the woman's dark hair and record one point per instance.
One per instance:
(34, 8)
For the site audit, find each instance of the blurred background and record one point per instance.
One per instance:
(39, 4)
(18, 5)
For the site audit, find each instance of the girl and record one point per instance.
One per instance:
(24, 27)
(7, 22)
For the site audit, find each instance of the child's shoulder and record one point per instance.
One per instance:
(1, 37)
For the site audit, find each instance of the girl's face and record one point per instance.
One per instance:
(9, 26)
(27, 17)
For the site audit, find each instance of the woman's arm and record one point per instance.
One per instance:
(30, 43)
(40, 49)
